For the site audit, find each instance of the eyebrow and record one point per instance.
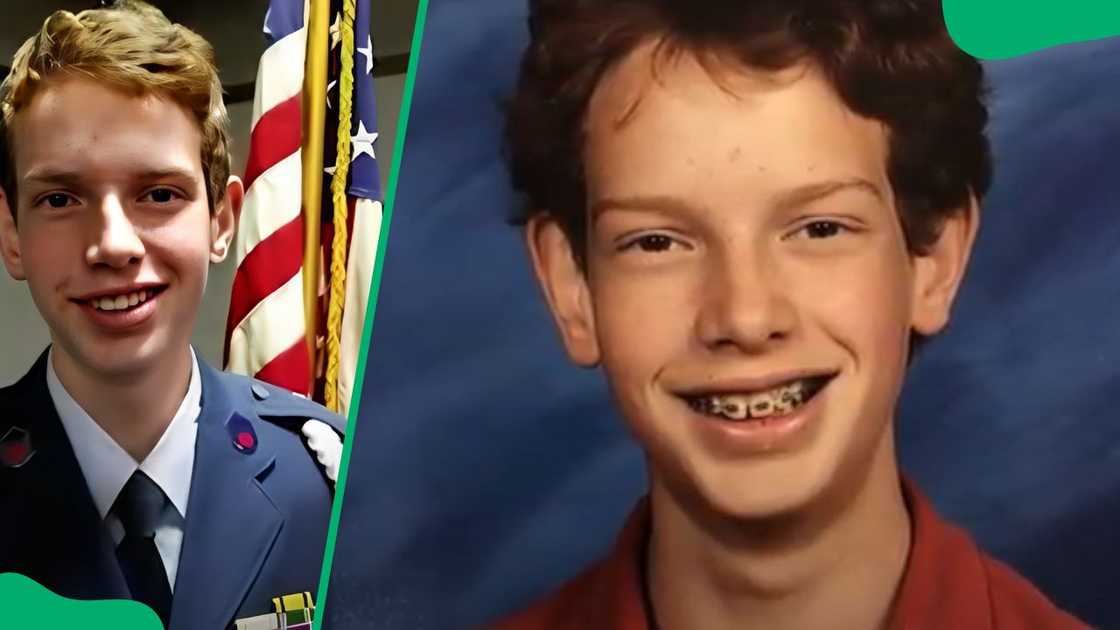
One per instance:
(63, 178)
(74, 178)
(794, 197)
(812, 192)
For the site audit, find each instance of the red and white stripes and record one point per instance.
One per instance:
(265, 331)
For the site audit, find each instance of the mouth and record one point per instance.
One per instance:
(769, 404)
(121, 301)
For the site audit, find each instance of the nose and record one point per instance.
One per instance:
(745, 306)
(115, 242)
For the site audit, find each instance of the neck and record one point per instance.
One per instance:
(834, 566)
(134, 408)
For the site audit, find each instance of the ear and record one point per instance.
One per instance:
(9, 239)
(565, 287)
(223, 223)
(939, 271)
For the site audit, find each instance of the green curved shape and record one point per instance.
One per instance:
(997, 29)
(27, 604)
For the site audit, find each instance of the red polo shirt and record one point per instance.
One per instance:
(949, 584)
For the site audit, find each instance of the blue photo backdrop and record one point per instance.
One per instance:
(486, 470)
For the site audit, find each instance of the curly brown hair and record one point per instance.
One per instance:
(889, 60)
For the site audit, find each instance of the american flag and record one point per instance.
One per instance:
(265, 330)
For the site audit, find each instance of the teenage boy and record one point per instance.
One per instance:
(128, 466)
(746, 213)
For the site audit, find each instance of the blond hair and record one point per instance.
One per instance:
(133, 47)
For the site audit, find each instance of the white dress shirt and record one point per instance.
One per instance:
(107, 467)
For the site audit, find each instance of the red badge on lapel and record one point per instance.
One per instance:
(242, 434)
(15, 448)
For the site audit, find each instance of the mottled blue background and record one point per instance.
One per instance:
(486, 470)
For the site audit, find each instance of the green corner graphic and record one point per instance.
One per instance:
(998, 29)
(27, 604)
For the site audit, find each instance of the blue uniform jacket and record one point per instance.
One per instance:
(256, 522)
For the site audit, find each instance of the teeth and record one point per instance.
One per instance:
(775, 402)
(734, 407)
(121, 302)
(762, 405)
(783, 405)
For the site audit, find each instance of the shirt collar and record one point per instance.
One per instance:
(107, 467)
(944, 578)
(945, 582)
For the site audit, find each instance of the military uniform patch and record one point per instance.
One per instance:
(15, 448)
(242, 434)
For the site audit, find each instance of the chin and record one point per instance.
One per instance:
(759, 491)
(122, 357)
(761, 504)
(119, 366)
(767, 502)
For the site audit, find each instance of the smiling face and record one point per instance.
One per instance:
(748, 289)
(114, 234)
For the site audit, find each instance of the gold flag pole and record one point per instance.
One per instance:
(314, 119)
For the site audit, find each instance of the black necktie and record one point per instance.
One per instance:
(139, 507)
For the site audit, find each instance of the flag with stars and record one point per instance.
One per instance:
(266, 333)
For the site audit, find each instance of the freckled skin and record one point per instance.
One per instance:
(733, 285)
(743, 301)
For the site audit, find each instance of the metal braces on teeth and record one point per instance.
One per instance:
(778, 401)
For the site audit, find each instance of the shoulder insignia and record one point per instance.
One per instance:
(320, 428)
(326, 445)
(281, 406)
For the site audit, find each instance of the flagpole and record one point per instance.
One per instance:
(314, 119)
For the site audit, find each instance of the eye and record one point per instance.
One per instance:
(650, 243)
(58, 200)
(654, 243)
(821, 229)
(161, 195)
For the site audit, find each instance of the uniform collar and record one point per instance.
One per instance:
(107, 467)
